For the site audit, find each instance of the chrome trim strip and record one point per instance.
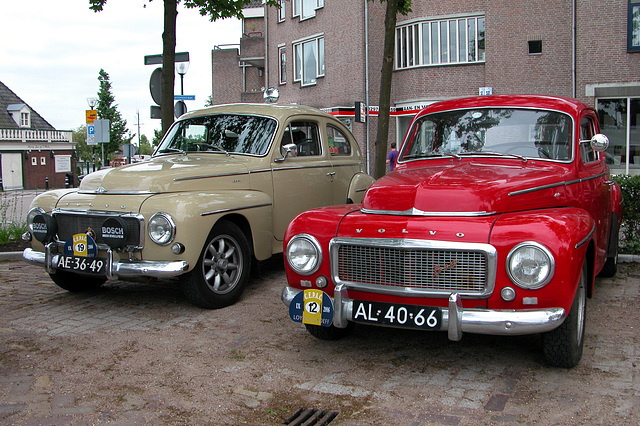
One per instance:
(587, 238)
(116, 269)
(555, 185)
(87, 192)
(235, 209)
(457, 320)
(210, 176)
(416, 212)
(303, 167)
(487, 249)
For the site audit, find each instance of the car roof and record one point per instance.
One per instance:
(268, 110)
(559, 103)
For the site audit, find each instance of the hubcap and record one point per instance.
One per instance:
(222, 264)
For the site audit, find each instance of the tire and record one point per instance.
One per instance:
(329, 333)
(223, 269)
(76, 282)
(562, 347)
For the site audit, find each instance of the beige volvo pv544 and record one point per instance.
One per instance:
(217, 194)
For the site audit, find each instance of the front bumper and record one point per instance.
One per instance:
(114, 269)
(456, 319)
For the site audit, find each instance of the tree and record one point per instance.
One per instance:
(108, 111)
(214, 9)
(393, 8)
(145, 147)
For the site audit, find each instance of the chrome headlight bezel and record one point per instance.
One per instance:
(161, 236)
(304, 254)
(540, 259)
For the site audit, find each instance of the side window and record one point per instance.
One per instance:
(338, 142)
(587, 153)
(305, 135)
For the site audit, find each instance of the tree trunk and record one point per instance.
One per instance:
(385, 88)
(168, 62)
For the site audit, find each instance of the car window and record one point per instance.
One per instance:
(305, 136)
(509, 131)
(227, 133)
(338, 141)
(587, 153)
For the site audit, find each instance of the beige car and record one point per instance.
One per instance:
(217, 195)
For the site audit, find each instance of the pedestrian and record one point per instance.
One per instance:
(393, 155)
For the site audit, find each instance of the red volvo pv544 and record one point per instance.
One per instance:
(497, 219)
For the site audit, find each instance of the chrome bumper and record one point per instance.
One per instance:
(456, 319)
(114, 269)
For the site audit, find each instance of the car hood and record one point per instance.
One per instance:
(170, 173)
(469, 187)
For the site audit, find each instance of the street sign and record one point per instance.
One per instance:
(92, 114)
(155, 85)
(157, 59)
(179, 109)
(184, 97)
(102, 130)
(91, 135)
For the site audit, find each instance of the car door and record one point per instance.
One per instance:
(302, 180)
(345, 160)
(596, 188)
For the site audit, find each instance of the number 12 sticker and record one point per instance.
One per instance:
(312, 307)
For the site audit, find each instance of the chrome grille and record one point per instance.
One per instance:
(414, 266)
(70, 223)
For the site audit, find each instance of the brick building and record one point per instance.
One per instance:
(328, 55)
(33, 154)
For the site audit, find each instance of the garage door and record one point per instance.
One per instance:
(12, 171)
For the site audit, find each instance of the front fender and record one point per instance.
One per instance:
(566, 232)
(195, 214)
(358, 186)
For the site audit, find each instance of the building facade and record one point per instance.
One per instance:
(33, 154)
(328, 54)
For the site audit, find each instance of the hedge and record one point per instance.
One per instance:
(630, 226)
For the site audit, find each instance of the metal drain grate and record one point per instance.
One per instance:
(311, 416)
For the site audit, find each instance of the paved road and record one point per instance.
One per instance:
(140, 354)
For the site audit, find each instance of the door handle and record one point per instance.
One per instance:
(331, 175)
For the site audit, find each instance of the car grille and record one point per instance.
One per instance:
(70, 223)
(415, 267)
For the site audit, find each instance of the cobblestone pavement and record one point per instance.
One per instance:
(138, 353)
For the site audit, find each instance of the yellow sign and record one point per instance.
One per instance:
(80, 245)
(312, 312)
(92, 115)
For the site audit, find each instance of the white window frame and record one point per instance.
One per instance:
(282, 12)
(282, 64)
(299, 74)
(415, 45)
(306, 9)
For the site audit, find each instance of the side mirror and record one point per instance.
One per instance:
(290, 150)
(599, 142)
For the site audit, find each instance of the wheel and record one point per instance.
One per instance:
(75, 282)
(329, 333)
(222, 271)
(562, 347)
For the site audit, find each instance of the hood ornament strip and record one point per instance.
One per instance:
(417, 212)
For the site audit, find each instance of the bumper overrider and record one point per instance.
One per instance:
(114, 269)
(456, 319)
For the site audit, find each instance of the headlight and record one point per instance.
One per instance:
(530, 265)
(304, 254)
(32, 213)
(161, 228)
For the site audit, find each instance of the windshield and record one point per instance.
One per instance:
(226, 133)
(491, 131)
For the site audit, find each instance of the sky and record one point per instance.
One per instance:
(51, 52)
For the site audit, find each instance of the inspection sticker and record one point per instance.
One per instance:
(312, 307)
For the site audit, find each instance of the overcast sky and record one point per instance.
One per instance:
(51, 53)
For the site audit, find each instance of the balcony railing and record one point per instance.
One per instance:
(29, 135)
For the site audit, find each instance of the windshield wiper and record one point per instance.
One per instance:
(500, 154)
(167, 150)
(444, 154)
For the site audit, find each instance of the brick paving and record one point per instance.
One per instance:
(138, 353)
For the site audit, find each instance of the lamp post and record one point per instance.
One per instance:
(181, 69)
(93, 101)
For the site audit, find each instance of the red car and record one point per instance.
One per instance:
(497, 219)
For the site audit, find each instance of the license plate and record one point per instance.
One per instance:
(81, 264)
(397, 315)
